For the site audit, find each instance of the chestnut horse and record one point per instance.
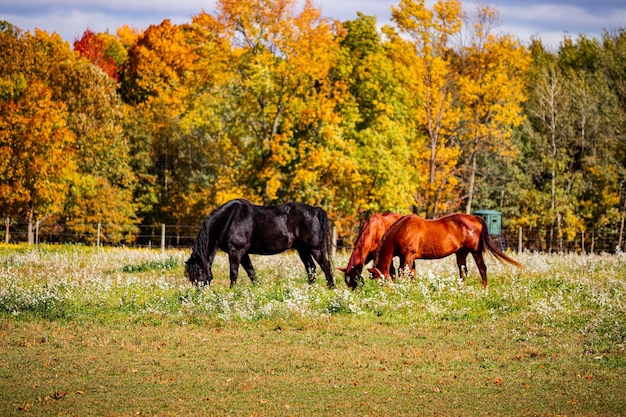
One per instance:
(366, 244)
(413, 237)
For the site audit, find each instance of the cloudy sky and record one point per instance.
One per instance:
(549, 19)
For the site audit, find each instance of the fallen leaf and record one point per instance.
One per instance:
(58, 395)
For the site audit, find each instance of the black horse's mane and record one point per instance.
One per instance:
(198, 256)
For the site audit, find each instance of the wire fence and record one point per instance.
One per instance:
(99, 234)
(608, 239)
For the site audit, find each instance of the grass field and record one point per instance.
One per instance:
(120, 332)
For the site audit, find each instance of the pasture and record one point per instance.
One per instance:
(121, 332)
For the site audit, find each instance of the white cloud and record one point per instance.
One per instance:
(548, 20)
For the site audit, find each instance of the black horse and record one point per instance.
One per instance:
(241, 228)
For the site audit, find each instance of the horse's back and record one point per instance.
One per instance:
(223, 216)
(436, 238)
(466, 229)
(309, 224)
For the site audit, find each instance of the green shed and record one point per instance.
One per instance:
(493, 219)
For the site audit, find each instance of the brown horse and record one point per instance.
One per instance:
(413, 237)
(366, 245)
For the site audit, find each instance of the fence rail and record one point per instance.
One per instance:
(151, 236)
(182, 236)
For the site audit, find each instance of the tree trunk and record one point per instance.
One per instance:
(593, 241)
(621, 227)
(553, 189)
(31, 232)
(470, 190)
(431, 209)
(7, 233)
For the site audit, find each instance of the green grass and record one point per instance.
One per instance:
(122, 332)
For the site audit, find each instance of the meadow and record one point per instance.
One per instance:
(88, 331)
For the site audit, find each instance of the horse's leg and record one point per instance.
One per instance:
(324, 262)
(480, 262)
(392, 267)
(247, 266)
(309, 265)
(408, 260)
(211, 251)
(461, 261)
(234, 257)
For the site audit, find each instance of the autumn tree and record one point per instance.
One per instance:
(491, 90)
(36, 145)
(87, 122)
(103, 192)
(102, 50)
(283, 60)
(430, 34)
(154, 84)
(263, 109)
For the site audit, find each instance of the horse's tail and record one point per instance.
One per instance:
(487, 245)
(326, 238)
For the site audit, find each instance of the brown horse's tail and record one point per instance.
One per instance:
(487, 244)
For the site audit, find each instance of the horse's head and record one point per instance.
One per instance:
(352, 277)
(376, 273)
(197, 271)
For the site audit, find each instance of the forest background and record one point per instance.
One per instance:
(269, 101)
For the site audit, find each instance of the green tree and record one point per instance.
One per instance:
(613, 67)
(374, 114)
(549, 103)
(597, 122)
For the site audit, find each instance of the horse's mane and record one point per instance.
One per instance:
(203, 239)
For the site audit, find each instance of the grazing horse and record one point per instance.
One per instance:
(413, 237)
(366, 245)
(241, 228)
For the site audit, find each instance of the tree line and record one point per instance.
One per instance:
(435, 113)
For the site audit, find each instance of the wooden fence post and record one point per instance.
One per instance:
(162, 238)
(583, 241)
(333, 243)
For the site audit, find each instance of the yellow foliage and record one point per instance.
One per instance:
(36, 152)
